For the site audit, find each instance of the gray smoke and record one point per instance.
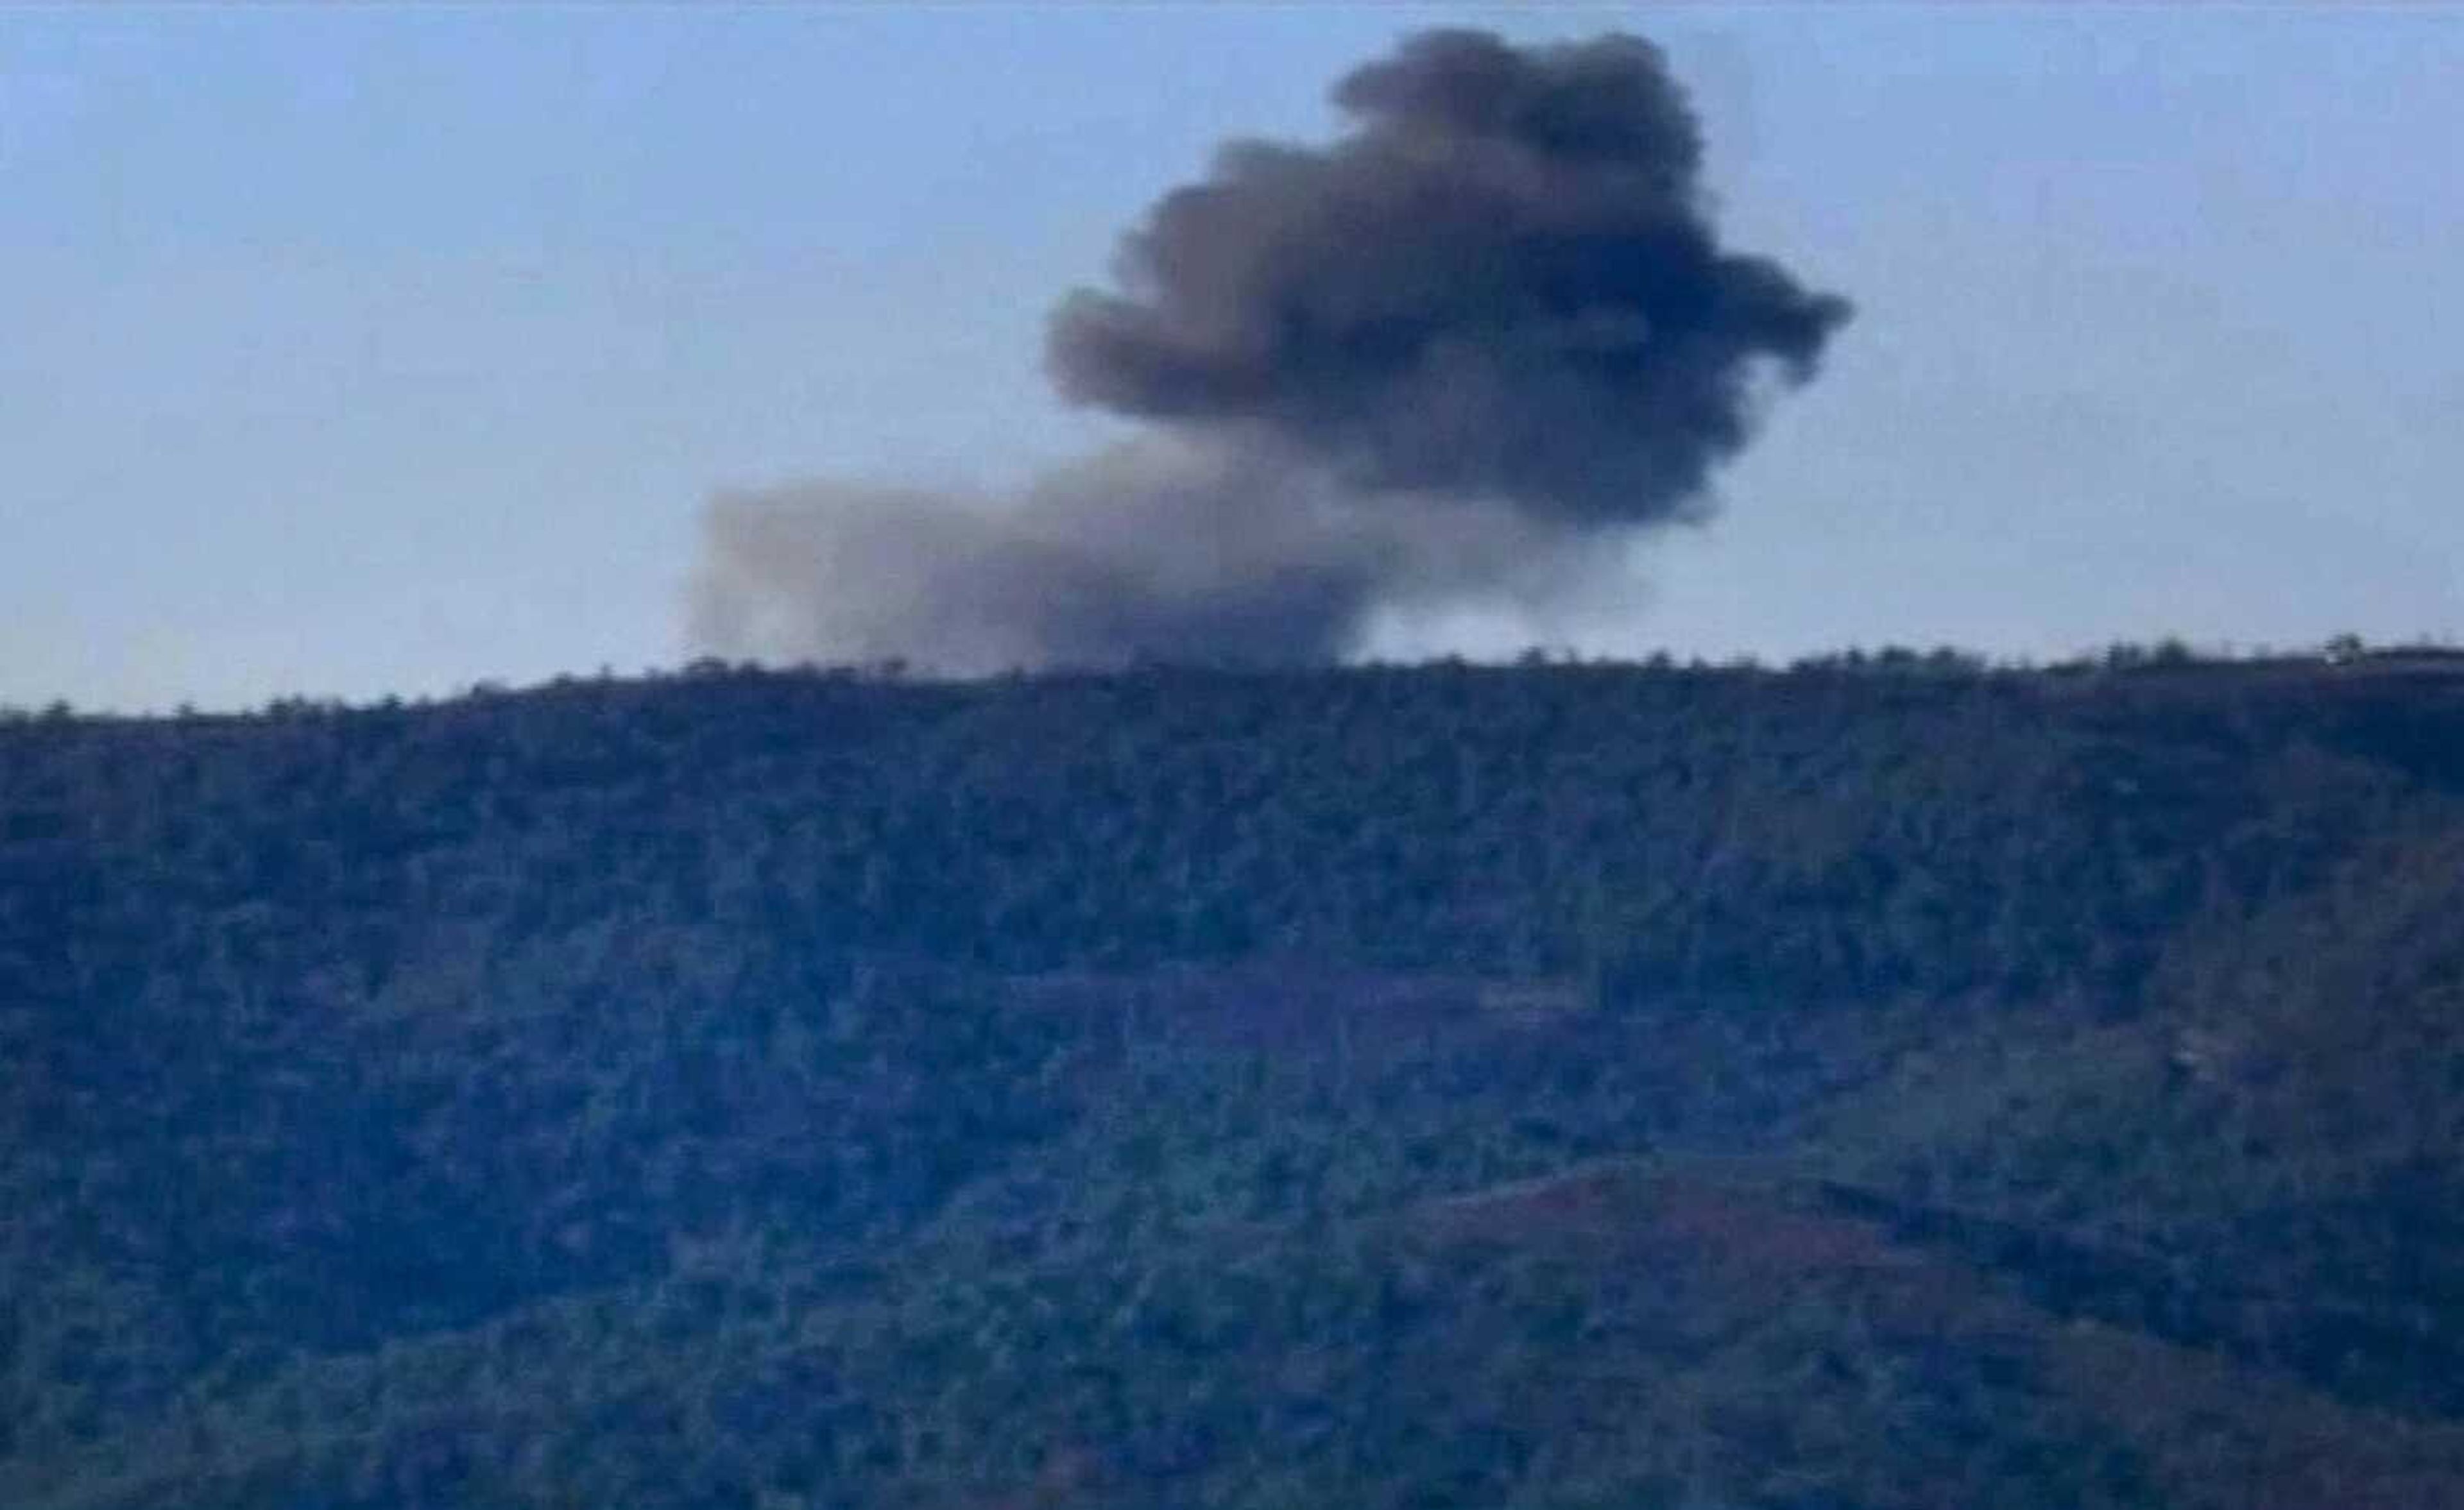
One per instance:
(1436, 360)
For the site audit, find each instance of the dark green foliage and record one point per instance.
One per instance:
(1885, 1082)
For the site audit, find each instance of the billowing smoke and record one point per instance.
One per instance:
(1438, 360)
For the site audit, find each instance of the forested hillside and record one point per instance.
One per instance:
(1878, 1083)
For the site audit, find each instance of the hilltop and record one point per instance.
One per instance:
(1885, 1082)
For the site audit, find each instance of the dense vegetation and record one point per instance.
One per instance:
(1880, 1083)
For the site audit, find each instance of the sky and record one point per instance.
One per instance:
(370, 350)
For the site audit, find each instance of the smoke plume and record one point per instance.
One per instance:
(1438, 359)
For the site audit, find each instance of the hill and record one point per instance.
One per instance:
(1878, 1083)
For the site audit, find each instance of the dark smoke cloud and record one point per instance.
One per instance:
(1437, 359)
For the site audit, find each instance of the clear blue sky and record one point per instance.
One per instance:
(363, 350)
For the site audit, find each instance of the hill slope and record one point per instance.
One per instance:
(1554, 1086)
